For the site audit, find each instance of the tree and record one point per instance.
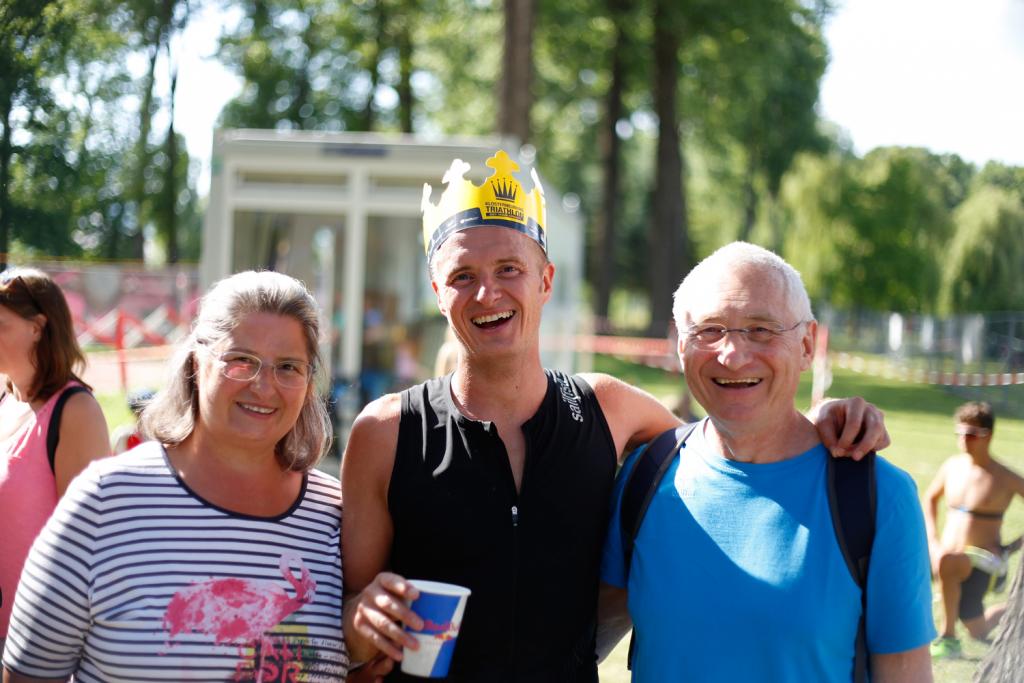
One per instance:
(610, 143)
(751, 85)
(670, 253)
(34, 35)
(781, 90)
(515, 81)
(64, 194)
(323, 65)
(405, 43)
(878, 226)
(1000, 175)
(986, 256)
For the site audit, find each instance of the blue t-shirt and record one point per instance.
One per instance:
(737, 575)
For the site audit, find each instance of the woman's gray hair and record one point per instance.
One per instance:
(732, 257)
(171, 416)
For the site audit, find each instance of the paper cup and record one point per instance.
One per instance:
(440, 605)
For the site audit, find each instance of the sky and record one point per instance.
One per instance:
(943, 74)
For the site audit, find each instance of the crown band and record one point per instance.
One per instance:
(499, 202)
(472, 218)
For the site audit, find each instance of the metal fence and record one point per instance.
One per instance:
(126, 316)
(975, 356)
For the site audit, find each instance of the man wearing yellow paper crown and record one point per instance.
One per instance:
(498, 476)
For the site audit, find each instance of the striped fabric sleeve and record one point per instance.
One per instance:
(51, 610)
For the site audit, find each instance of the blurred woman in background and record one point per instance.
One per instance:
(212, 551)
(51, 427)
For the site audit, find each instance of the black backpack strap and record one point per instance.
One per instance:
(53, 430)
(639, 489)
(852, 502)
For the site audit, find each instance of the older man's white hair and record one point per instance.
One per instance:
(732, 257)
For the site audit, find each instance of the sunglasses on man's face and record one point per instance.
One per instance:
(971, 430)
(7, 280)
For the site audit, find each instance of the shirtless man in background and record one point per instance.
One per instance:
(970, 557)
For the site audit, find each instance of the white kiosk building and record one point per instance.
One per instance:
(341, 211)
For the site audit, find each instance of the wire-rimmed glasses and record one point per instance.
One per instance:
(709, 335)
(245, 367)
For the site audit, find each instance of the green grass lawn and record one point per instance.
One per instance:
(115, 409)
(919, 419)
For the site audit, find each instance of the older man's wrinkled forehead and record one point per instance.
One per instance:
(761, 291)
(747, 270)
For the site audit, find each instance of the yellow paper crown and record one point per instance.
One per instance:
(499, 202)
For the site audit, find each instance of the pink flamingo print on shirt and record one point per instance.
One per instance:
(235, 610)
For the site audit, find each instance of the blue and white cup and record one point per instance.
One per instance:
(440, 605)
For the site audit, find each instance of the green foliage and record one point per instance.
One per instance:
(986, 257)
(62, 85)
(300, 61)
(878, 226)
(84, 175)
(72, 166)
(1000, 175)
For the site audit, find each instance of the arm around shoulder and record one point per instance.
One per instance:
(83, 438)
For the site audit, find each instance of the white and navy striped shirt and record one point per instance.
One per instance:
(136, 578)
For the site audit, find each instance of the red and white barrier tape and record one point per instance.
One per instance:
(878, 367)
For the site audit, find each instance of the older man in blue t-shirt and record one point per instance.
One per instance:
(736, 573)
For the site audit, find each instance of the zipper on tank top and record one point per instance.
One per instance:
(518, 494)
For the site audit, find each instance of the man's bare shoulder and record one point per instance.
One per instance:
(1006, 474)
(374, 437)
(379, 412)
(957, 461)
(633, 415)
(613, 391)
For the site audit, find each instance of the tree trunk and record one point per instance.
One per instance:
(171, 177)
(1004, 662)
(669, 243)
(5, 191)
(749, 200)
(516, 77)
(369, 118)
(303, 88)
(775, 222)
(138, 182)
(405, 52)
(611, 151)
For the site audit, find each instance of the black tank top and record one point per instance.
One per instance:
(532, 558)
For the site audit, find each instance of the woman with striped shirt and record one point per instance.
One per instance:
(210, 552)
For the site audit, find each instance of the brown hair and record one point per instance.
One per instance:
(976, 414)
(29, 292)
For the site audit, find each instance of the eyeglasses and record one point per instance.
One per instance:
(244, 367)
(9, 276)
(708, 335)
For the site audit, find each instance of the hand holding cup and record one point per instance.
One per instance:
(439, 607)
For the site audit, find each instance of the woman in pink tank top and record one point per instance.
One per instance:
(39, 356)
